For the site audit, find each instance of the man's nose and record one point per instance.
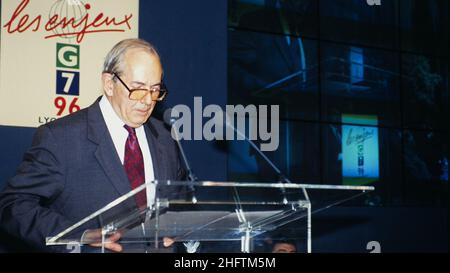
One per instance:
(147, 99)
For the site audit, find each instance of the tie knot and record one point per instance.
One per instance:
(130, 130)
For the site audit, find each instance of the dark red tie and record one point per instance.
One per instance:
(134, 166)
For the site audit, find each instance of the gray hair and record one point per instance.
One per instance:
(114, 58)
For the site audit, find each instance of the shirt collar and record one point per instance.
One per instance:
(113, 121)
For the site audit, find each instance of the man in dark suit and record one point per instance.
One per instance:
(80, 163)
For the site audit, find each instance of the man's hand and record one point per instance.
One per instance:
(111, 243)
(167, 241)
(94, 238)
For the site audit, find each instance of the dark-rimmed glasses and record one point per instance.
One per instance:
(157, 91)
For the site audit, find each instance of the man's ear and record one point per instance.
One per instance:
(108, 84)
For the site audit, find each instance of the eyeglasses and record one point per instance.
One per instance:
(157, 91)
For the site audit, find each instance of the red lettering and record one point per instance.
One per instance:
(22, 22)
(96, 23)
(126, 20)
(80, 34)
(69, 26)
(108, 21)
(51, 22)
(21, 25)
(65, 23)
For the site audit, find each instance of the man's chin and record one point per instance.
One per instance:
(141, 120)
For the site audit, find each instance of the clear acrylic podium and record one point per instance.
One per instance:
(182, 212)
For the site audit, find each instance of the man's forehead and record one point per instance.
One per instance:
(142, 62)
(140, 53)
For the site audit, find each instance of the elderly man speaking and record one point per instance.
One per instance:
(82, 162)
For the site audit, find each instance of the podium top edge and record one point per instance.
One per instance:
(208, 183)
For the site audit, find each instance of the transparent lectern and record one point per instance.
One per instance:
(215, 215)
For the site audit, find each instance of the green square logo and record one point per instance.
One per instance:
(67, 56)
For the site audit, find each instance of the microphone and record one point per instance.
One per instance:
(282, 178)
(169, 120)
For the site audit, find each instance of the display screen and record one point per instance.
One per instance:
(360, 150)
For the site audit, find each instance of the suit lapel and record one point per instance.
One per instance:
(106, 152)
(108, 159)
(159, 166)
(155, 150)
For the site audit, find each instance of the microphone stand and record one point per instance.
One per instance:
(190, 174)
(281, 177)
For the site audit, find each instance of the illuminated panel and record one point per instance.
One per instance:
(360, 150)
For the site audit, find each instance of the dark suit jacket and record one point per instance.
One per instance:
(71, 171)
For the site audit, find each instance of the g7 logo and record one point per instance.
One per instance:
(68, 56)
(67, 77)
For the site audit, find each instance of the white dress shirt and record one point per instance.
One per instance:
(119, 136)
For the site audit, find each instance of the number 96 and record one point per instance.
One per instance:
(60, 104)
